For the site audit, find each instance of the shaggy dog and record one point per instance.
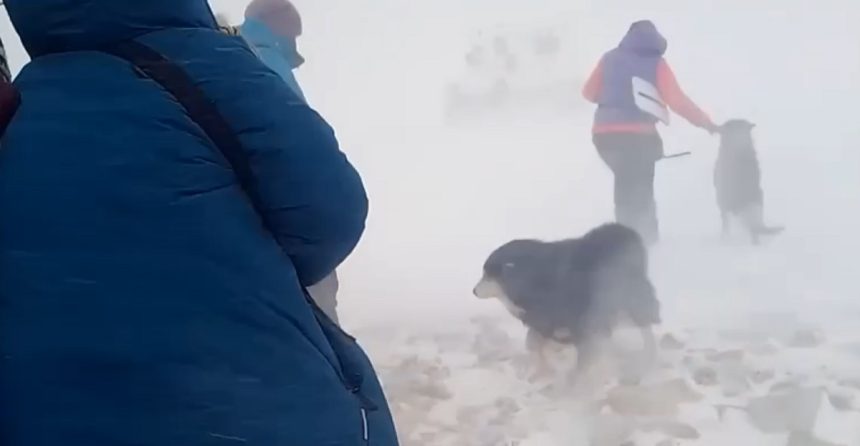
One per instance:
(576, 291)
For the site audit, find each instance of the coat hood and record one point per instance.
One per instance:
(51, 26)
(644, 38)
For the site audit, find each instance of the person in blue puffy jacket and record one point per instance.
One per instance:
(151, 294)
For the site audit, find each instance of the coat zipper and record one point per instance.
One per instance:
(364, 403)
(364, 427)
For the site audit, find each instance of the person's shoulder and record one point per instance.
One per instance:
(235, 32)
(178, 44)
(611, 54)
(225, 26)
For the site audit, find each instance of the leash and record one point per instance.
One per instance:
(676, 155)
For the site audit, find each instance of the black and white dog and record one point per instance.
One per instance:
(575, 292)
(737, 179)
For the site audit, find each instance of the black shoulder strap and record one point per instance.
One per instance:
(199, 107)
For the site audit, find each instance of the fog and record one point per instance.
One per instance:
(444, 194)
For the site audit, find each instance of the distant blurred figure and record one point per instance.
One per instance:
(271, 28)
(547, 44)
(634, 88)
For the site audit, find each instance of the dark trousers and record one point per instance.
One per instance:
(632, 157)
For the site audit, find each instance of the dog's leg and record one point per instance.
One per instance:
(649, 342)
(586, 354)
(727, 224)
(635, 368)
(756, 223)
(591, 371)
(538, 347)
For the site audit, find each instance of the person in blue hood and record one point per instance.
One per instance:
(272, 28)
(152, 294)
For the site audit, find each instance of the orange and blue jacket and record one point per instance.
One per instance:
(610, 85)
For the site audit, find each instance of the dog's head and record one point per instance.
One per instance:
(736, 134)
(501, 267)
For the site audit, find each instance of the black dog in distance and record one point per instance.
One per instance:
(737, 179)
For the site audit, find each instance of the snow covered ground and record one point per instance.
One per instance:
(762, 346)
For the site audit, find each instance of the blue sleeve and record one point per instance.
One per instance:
(312, 198)
(309, 195)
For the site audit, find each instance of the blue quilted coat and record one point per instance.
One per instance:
(144, 300)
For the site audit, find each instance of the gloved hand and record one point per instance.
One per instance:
(712, 128)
